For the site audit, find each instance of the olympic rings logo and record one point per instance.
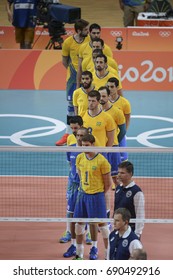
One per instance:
(17, 137)
(164, 33)
(69, 32)
(116, 33)
(144, 137)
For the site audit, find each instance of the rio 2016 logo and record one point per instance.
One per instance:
(147, 74)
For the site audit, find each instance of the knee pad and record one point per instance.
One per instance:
(104, 231)
(79, 229)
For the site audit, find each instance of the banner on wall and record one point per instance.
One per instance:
(43, 70)
(134, 38)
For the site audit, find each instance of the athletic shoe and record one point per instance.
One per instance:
(70, 252)
(63, 140)
(93, 255)
(77, 258)
(66, 237)
(88, 239)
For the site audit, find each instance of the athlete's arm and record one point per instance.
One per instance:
(79, 72)
(76, 110)
(127, 117)
(107, 179)
(110, 137)
(122, 132)
(65, 61)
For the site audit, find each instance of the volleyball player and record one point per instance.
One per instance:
(70, 49)
(94, 171)
(123, 104)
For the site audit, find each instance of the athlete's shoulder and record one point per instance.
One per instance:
(71, 140)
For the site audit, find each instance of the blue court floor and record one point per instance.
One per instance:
(37, 118)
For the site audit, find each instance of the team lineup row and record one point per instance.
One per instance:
(98, 115)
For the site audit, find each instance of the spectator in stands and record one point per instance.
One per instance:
(131, 9)
(122, 240)
(22, 17)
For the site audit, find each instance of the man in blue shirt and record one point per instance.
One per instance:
(131, 9)
(130, 196)
(122, 240)
(22, 18)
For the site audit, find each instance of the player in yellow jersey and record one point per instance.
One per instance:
(76, 123)
(101, 74)
(94, 173)
(89, 63)
(70, 49)
(98, 43)
(123, 104)
(80, 95)
(99, 123)
(86, 50)
(118, 116)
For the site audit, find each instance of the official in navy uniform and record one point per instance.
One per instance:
(122, 240)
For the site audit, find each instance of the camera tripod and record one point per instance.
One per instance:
(54, 43)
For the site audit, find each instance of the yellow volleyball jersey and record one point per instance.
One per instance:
(99, 125)
(88, 65)
(80, 100)
(99, 82)
(119, 119)
(86, 51)
(71, 140)
(123, 104)
(92, 171)
(71, 48)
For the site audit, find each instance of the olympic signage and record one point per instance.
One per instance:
(146, 70)
(52, 126)
(134, 38)
(44, 70)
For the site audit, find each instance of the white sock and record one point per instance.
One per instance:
(68, 227)
(80, 250)
(73, 242)
(94, 244)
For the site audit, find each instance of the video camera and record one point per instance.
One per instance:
(53, 15)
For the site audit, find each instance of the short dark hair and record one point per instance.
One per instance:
(88, 138)
(124, 212)
(104, 56)
(94, 93)
(128, 166)
(87, 73)
(113, 80)
(106, 88)
(97, 51)
(94, 26)
(76, 119)
(98, 40)
(83, 129)
(80, 24)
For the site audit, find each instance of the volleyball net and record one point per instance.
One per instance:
(33, 182)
